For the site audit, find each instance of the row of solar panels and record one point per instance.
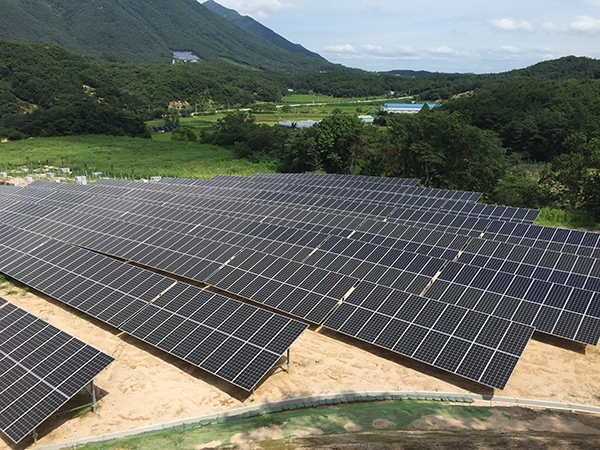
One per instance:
(570, 241)
(164, 129)
(561, 272)
(574, 271)
(313, 294)
(120, 294)
(527, 310)
(234, 341)
(41, 368)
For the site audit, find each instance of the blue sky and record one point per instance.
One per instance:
(445, 36)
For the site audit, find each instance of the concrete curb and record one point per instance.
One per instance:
(318, 400)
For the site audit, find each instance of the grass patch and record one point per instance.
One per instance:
(124, 157)
(5, 282)
(329, 420)
(12, 292)
(565, 219)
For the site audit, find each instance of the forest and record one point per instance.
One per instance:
(528, 137)
(530, 144)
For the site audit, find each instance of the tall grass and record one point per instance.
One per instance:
(124, 157)
(565, 219)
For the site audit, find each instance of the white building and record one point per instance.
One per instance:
(406, 108)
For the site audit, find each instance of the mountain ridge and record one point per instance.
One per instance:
(258, 29)
(147, 31)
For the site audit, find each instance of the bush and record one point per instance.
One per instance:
(184, 134)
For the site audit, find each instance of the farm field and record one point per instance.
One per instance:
(122, 157)
(292, 108)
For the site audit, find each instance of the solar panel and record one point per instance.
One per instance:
(549, 307)
(300, 244)
(41, 368)
(120, 295)
(474, 345)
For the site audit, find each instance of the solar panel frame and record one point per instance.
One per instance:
(53, 367)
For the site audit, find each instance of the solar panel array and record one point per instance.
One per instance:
(232, 340)
(41, 368)
(426, 273)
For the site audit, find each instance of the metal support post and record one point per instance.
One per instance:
(93, 393)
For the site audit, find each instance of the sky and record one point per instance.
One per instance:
(435, 35)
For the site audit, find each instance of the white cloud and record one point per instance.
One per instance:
(259, 9)
(342, 31)
(443, 50)
(581, 24)
(551, 27)
(372, 48)
(346, 48)
(585, 24)
(510, 49)
(511, 25)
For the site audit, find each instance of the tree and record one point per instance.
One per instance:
(184, 134)
(339, 142)
(444, 151)
(522, 192)
(234, 127)
(576, 174)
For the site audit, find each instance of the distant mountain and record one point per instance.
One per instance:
(146, 31)
(409, 73)
(578, 67)
(258, 29)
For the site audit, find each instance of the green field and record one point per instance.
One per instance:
(302, 107)
(327, 419)
(123, 157)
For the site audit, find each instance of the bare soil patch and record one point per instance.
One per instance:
(382, 423)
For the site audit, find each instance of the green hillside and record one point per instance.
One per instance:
(258, 29)
(145, 31)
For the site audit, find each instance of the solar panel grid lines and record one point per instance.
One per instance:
(127, 294)
(506, 213)
(566, 241)
(215, 348)
(41, 369)
(128, 248)
(488, 210)
(401, 281)
(543, 305)
(328, 180)
(285, 285)
(546, 265)
(405, 252)
(432, 332)
(341, 218)
(438, 251)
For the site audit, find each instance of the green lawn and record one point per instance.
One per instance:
(124, 157)
(328, 419)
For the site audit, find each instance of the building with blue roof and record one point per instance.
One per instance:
(406, 108)
(184, 57)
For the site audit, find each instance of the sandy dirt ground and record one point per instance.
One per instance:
(145, 386)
